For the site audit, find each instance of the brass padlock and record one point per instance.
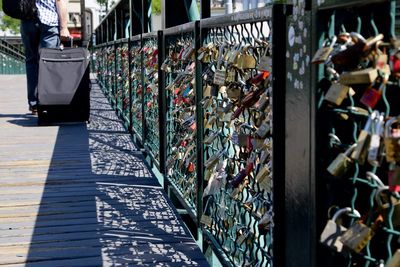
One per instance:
(323, 53)
(395, 260)
(336, 93)
(265, 61)
(332, 232)
(361, 150)
(341, 163)
(365, 76)
(392, 140)
(386, 206)
(357, 236)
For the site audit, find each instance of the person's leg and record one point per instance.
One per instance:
(30, 33)
(49, 37)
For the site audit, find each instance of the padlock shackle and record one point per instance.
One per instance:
(378, 192)
(346, 210)
(335, 137)
(356, 35)
(379, 123)
(350, 149)
(369, 121)
(389, 124)
(373, 176)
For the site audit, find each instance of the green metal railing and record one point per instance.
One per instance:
(12, 61)
(181, 125)
(150, 95)
(184, 119)
(358, 186)
(210, 103)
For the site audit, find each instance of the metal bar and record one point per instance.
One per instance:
(187, 27)
(121, 41)
(150, 35)
(346, 4)
(136, 38)
(249, 16)
(162, 107)
(183, 202)
(205, 9)
(218, 251)
(278, 136)
(199, 123)
(130, 126)
(143, 89)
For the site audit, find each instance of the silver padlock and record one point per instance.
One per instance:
(360, 151)
(374, 148)
(333, 231)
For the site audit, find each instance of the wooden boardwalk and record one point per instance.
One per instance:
(81, 195)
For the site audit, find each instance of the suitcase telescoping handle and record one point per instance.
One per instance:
(71, 39)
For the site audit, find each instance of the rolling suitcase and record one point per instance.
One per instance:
(63, 85)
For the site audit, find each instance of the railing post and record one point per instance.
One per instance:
(162, 104)
(279, 116)
(199, 123)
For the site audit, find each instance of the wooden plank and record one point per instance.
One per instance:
(81, 195)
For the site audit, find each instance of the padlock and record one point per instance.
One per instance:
(234, 91)
(351, 57)
(265, 224)
(336, 93)
(385, 207)
(245, 60)
(219, 77)
(263, 178)
(263, 130)
(357, 236)
(265, 61)
(371, 96)
(395, 63)
(394, 177)
(211, 138)
(392, 140)
(332, 232)
(323, 53)
(395, 260)
(341, 163)
(376, 179)
(374, 149)
(360, 151)
(364, 76)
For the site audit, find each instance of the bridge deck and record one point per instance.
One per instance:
(81, 194)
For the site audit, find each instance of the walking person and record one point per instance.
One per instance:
(46, 30)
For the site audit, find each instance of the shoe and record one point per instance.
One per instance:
(33, 109)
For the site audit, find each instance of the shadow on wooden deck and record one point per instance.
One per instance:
(100, 204)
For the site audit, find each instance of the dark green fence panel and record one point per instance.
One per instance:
(12, 60)
(359, 179)
(136, 88)
(122, 81)
(100, 64)
(110, 73)
(236, 108)
(150, 94)
(181, 127)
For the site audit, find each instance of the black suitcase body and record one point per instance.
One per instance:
(64, 85)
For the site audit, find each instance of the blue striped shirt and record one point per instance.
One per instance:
(47, 12)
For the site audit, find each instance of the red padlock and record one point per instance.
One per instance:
(395, 62)
(371, 96)
(394, 178)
